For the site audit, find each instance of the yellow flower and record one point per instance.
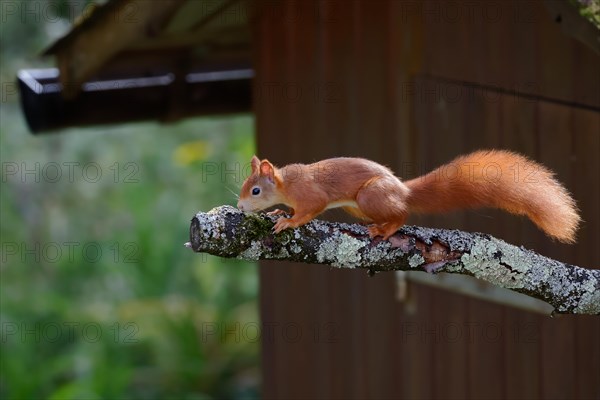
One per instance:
(189, 152)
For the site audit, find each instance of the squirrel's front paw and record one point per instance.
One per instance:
(277, 211)
(282, 224)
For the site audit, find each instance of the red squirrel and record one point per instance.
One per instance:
(367, 190)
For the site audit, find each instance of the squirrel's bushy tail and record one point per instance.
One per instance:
(498, 179)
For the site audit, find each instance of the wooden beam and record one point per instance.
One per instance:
(164, 97)
(573, 24)
(105, 33)
(234, 34)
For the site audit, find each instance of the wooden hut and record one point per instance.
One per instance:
(410, 84)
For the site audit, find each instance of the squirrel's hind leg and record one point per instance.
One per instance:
(382, 202)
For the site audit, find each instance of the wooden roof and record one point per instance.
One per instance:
(150, 37)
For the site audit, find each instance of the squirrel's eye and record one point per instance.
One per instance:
(255, 191)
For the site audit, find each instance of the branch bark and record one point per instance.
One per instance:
(227, 232)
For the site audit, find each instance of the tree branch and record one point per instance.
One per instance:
(228, 232)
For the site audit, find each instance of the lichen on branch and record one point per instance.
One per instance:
(227, 232)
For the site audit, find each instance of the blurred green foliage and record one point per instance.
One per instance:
(99, 298)
(590, 9)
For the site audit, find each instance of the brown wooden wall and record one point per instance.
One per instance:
(412, 85)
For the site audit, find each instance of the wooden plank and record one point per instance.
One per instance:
(335, 92)
(299, 112)
(522, 45)
(342, 125)
(449, 132)
(417, 332)
(522, 332)
(342, 326)
(449, 361)
(522, 329)
(587, 358)
(346, 376)
(404, 54)
(554, 58)
(557, 334)
(586, 82)
(447, 38)
(456, 31)
(274, 277)
(483, 127)
(416, 337)
(413, 353)
(586, 190)
(439, 128)
(371, 49)
(584, 183)
(485, 352)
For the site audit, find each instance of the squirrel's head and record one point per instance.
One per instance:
(261, 189)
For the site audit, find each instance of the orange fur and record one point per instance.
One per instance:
(370, 191)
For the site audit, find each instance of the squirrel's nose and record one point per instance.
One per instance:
(240, 205)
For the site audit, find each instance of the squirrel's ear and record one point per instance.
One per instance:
(254, 163)
(266, 169)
